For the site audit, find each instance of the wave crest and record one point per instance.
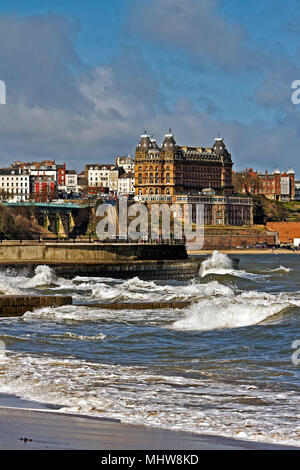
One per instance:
(244, 310)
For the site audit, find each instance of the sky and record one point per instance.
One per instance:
(85, 79)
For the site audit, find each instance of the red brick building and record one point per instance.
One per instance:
(44, 188)
(278, 186)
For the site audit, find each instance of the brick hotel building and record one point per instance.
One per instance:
(172, 170)
(176, 174)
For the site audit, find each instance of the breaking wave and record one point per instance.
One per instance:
(246, 309)
(220, 264)
(280, 269)
(44, 276)
(137, 290)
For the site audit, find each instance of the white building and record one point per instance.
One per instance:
(126, 184)
(71, 181)
(99, 175)
(104, 176)
(15, 184)
(127, 163)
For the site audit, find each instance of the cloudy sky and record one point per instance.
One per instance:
(85, 79)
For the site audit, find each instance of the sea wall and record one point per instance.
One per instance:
(17, 305)
(146, 270)
(239, 237)
(89, 252)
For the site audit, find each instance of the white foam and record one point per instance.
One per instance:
(44, 276)
(245, 309)
(71, 335)
(280, 269)
(220, 264)
(138, 395)
(137, 290)
(215, 262)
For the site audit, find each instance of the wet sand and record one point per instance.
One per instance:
(46, 429)
(236, 251)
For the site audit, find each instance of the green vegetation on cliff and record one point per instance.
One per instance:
(266, 210)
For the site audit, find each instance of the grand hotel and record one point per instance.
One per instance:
(176, 174)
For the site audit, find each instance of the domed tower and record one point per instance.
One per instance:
(219, 149)
(169, 143)
(168, 150)
(144, 143)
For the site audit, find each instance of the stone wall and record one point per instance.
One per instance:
(89, 252)
(17, 305)
(287, 230)
(147, 269)
(238, 238)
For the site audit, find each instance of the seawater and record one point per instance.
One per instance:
(223, 366)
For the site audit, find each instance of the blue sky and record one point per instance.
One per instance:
(85, 79)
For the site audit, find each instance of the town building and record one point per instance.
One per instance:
(171, 170)
(71, 181)
(98, 177)
(277, 186)
(190, 175)
(127, 163)
(222, 209)
(44, 188)
(126, 184)
(45, 168)
(114, 178)
(297, 190)
(82, 183)
(103, 178)
(15, 184)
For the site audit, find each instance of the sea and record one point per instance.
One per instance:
(228, 365)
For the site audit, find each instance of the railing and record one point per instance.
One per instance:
(23, 238)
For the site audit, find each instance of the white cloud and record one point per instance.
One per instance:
(58, 108)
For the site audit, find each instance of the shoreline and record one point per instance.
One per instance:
(26, 425)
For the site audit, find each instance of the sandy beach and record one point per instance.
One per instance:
(279, 251)
(33, 426)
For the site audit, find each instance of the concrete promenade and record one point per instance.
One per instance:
(148, 261)
(47, 252)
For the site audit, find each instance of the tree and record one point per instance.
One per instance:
(245, 183)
